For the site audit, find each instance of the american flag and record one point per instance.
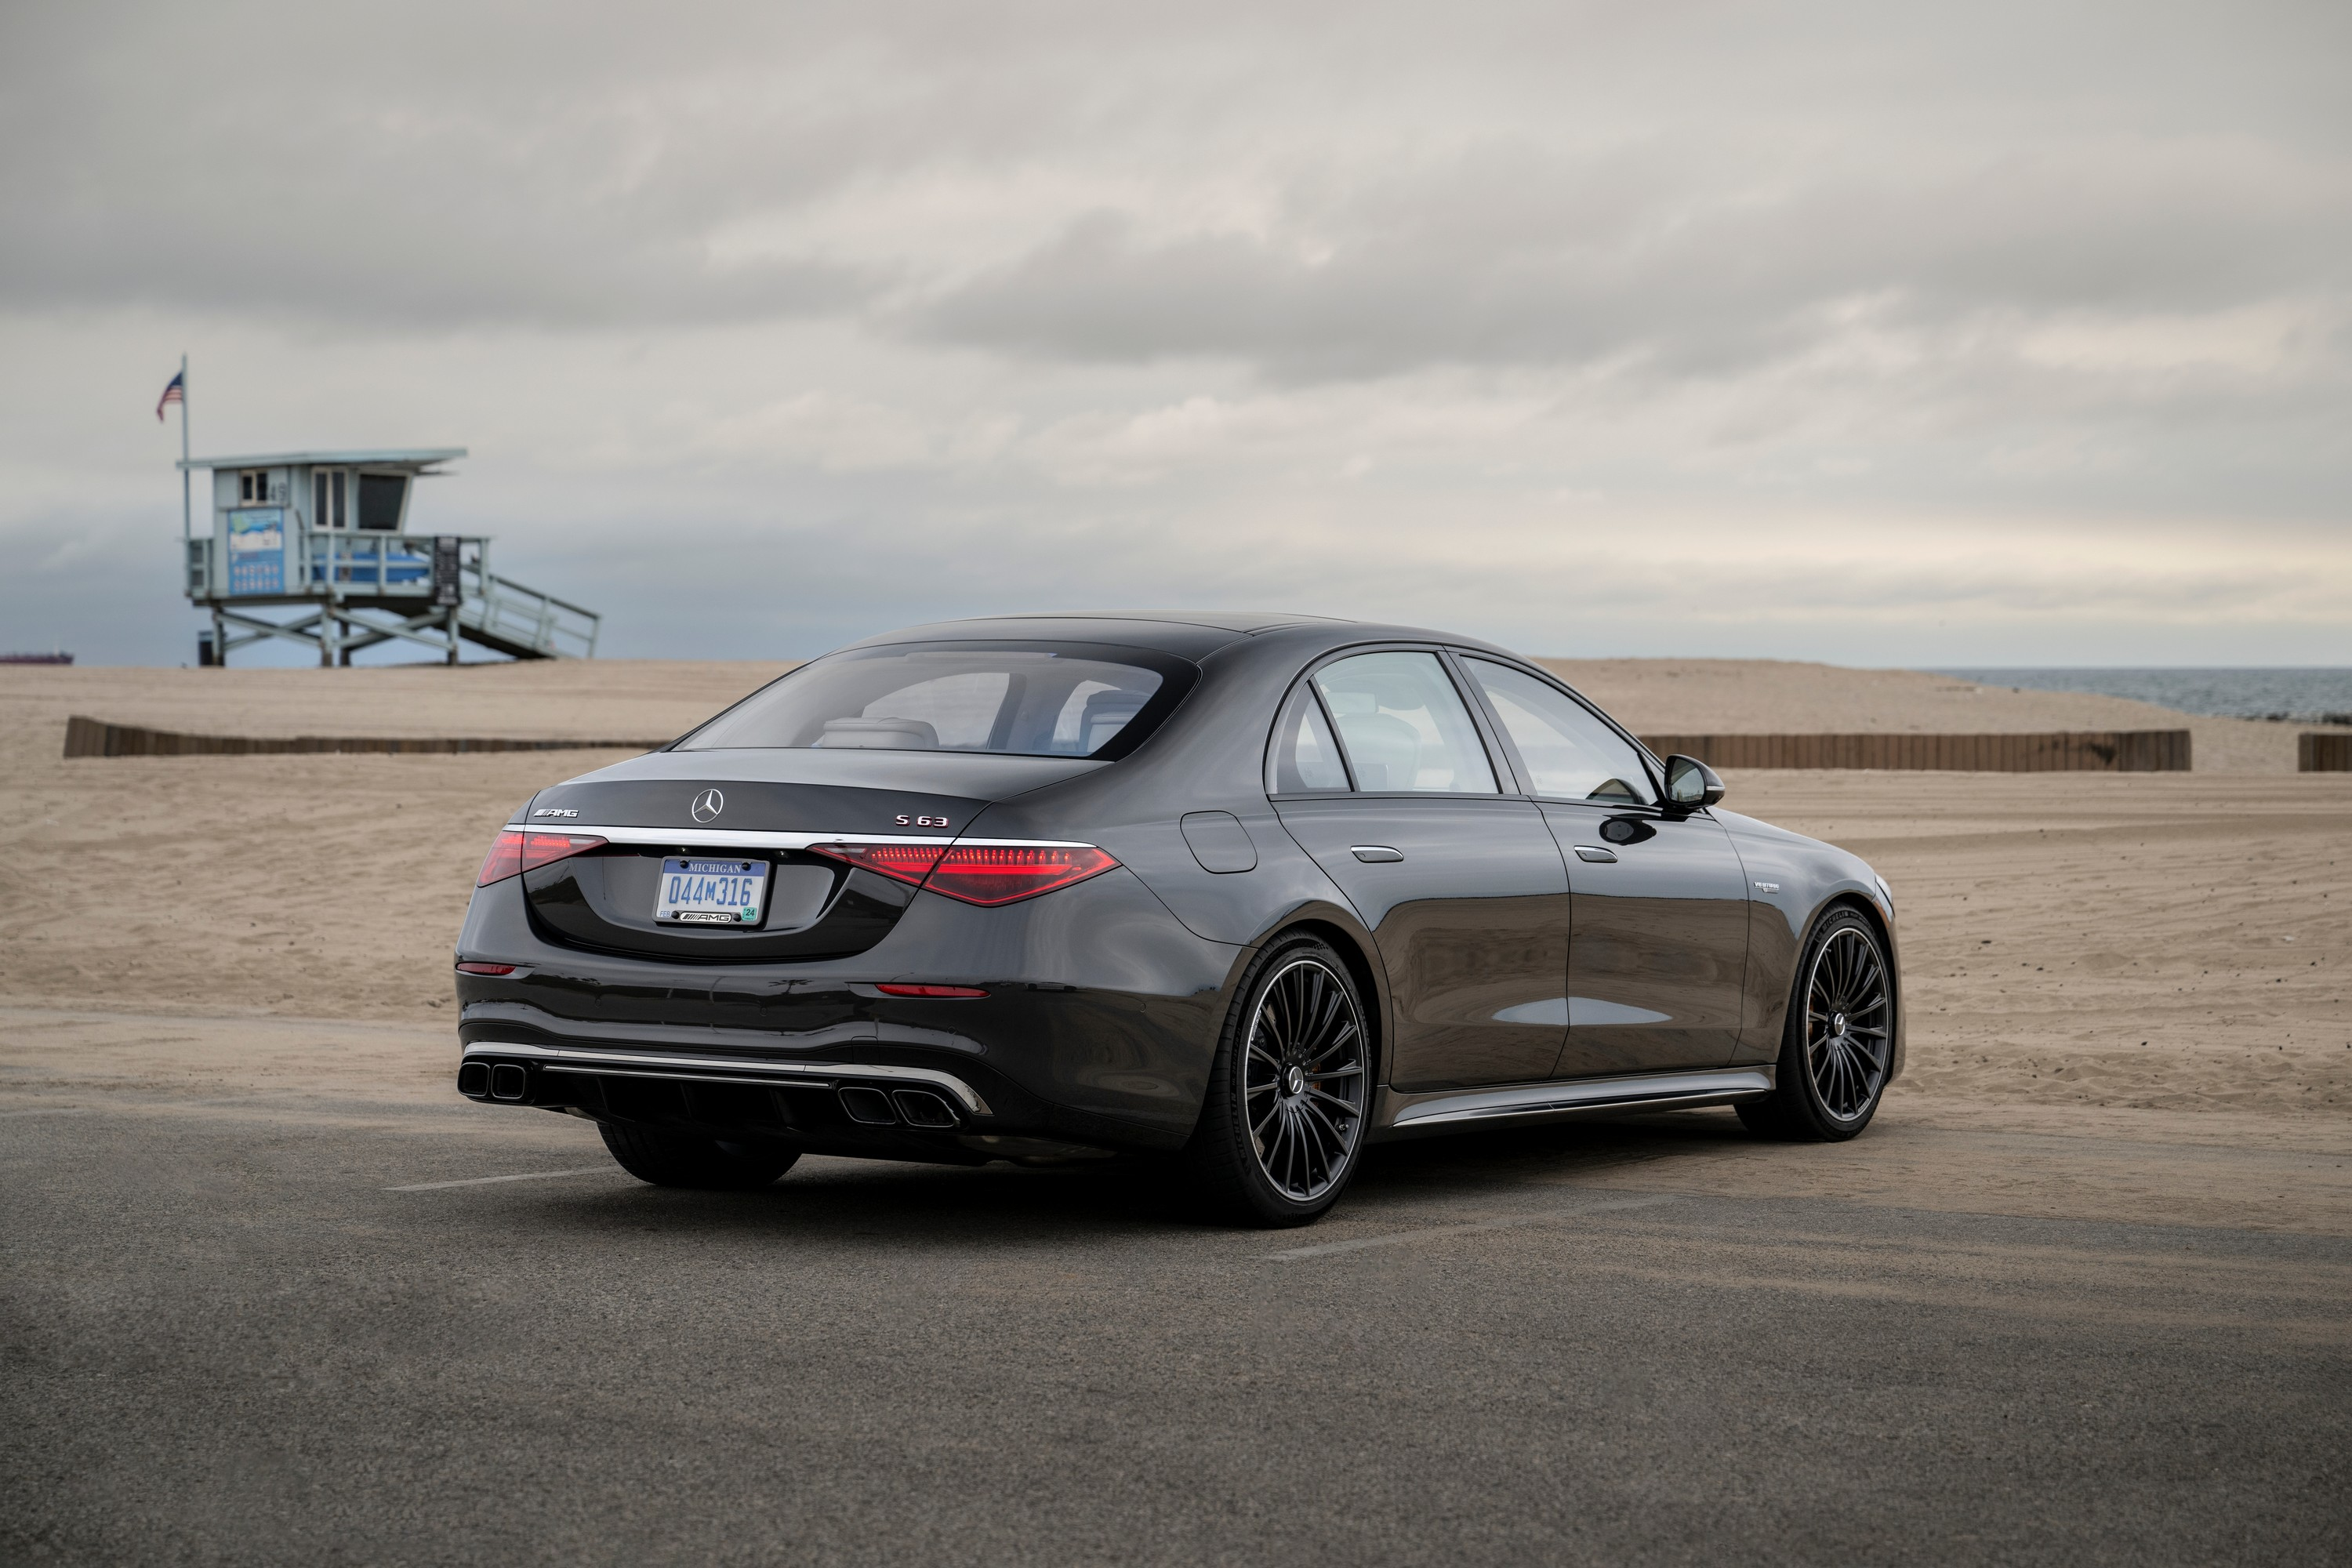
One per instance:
(175, 392)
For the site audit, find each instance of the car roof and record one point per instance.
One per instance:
(1188, 634)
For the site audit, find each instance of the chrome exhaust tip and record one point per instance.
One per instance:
(921, 1107)
(868, 1107)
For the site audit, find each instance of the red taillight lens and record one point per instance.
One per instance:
(1005, 874)
(486, 969)
(906, 862)
(978, 874)
(516, 851)
(892, 988)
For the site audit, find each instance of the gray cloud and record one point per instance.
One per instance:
(1526, 184)
(1507, 257)
(1034, 301)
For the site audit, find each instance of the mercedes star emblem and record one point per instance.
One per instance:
(708, 804)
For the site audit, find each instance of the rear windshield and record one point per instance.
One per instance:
(1035, 700)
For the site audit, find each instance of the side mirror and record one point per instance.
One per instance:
(1691, 783)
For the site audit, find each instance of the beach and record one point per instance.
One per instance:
(269, 1257)
(2171, 941)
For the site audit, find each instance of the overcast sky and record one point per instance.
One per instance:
(1878, 334)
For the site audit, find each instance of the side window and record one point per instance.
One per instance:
(1095, 712)
(1306, 758)
(1402, 725)
(1568, 754)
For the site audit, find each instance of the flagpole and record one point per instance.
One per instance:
(187, 506)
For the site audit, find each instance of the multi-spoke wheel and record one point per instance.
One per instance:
(1303, 1079)
(1284, 1122)
(1848, 1019)
(1838, 1046)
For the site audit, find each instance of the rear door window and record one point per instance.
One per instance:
(1402, 725)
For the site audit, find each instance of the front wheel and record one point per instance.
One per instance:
(677, 1160)
(1289, 1091)
(1839, 1041)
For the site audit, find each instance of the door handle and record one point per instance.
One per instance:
(1596, 854)
(1372, 853)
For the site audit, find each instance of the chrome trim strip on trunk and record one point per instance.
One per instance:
(1400, 1113)
(757, 838)
(722, 1070)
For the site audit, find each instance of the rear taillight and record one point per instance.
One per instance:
(987, 874)
(515, 852)
(935, 992)
(1006, 874)
(906, 862)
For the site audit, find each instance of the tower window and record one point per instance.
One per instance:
(327, 496)
(382, 497)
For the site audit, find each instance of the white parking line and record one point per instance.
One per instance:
(1395, 1238)
(50, 1111)
(485, 1181)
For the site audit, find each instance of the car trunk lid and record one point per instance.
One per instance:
(752, 815)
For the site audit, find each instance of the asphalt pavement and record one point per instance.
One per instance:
(403, 1332)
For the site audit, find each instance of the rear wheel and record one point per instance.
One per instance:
(679, 1160)
(1838, 1040)
(1289, 1091)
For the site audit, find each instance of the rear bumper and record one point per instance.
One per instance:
(962, 1100)
(1098, 1029)
(872, 1110)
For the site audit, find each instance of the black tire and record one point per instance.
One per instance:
(1838, 1043)
(1295, 1059)
(678, 1159)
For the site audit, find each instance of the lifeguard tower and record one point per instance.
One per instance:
(327, 534)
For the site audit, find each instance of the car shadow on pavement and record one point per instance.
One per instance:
(844, 1200)
(1474, 1162)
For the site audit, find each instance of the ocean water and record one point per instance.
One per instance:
(2313, 696)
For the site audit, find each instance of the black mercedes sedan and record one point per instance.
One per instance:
(1244, 892)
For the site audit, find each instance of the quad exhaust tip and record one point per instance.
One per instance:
(509, 1080)
(474, 1080)
(871, 1107)
(868, 1107)
(921, 1107)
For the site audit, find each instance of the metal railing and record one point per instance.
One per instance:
(502, 608)
(394, 572)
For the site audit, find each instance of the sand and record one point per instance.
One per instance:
(2076, 945)
(2158, 941)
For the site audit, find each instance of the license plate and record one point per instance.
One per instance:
(711, 892)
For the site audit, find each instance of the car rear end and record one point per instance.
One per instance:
(819, 945)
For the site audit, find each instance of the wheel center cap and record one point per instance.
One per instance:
(1837, 1023)
(1294, 1080)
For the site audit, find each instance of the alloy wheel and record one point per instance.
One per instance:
(1304, 1080)
(1846, 1023)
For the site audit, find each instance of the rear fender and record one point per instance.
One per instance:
(1337, 924)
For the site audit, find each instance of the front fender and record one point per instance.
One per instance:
(1793, 882)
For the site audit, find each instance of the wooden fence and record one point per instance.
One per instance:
(2124, 751)
(2323, 754)
(2099, 750)
(87, 737)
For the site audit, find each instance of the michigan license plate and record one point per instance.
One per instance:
(711, 892)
